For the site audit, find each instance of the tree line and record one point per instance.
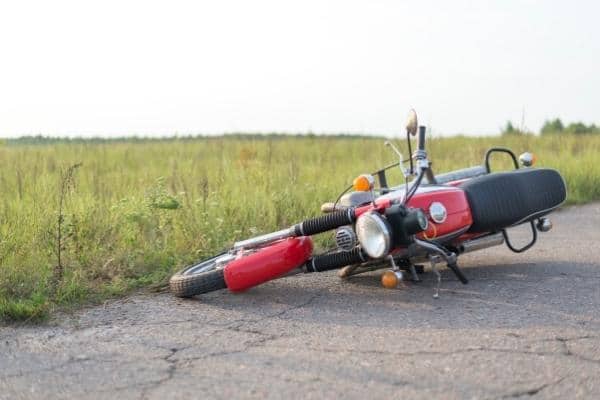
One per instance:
(554, 127)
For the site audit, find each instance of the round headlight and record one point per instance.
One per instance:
(374, 234)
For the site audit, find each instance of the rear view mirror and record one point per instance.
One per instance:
(412, 123)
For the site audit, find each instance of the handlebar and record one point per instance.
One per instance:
(324, 223)
(421, 138)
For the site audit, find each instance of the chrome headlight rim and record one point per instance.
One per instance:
(383, 229)
(438, 212)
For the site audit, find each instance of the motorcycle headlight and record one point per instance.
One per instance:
(374, 234)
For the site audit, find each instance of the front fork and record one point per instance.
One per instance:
(356, 256)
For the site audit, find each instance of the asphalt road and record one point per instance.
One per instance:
(525, 326)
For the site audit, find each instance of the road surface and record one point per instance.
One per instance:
(525, 326)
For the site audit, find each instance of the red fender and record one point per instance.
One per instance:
(267, 263)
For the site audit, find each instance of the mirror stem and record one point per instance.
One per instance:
(412, 168)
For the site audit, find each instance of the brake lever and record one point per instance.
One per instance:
(404, 170)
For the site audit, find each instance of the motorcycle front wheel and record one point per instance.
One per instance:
(202, 277)
(238, 272)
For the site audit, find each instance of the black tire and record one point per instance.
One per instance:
(187, 283)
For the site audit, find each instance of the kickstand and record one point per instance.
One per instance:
(434, 261)
(414, 274)
(459, 274)
(448, 256)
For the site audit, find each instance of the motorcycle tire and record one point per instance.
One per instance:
(199, 278)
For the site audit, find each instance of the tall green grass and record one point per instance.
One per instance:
(134, 212)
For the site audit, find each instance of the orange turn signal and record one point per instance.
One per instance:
(363, 183)
(391, 279)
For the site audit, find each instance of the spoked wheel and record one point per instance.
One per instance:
(203, 277)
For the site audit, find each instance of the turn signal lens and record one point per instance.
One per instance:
(527, 159)
(391, 279)
(363, 183)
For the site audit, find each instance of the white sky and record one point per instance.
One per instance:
(159, 68)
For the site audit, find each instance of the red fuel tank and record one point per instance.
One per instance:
(457, 212)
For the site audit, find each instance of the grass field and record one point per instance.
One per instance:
(131, 213)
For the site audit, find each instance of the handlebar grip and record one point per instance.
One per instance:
(325, 223)
(421, 139)
(326, 262)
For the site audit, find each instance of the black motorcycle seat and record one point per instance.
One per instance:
(504, 199)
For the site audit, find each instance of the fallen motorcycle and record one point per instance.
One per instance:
(431, 219)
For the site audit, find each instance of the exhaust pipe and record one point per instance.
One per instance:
(484, 242)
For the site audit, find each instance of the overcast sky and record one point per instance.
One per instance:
(159, 68)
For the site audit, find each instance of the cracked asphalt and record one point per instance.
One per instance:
(525, 326)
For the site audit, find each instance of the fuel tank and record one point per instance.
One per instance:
(447, 209)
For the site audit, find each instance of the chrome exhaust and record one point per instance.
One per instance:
(484, 242)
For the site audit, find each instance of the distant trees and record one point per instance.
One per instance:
(553, 127)
(510, 129)
(556, 126)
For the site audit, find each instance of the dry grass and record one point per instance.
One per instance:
(134, 212)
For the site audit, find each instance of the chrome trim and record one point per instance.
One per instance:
(218, 262)
(367, 266)
(544, 224)
(345, 238)
(438, 212)
(350, 214)
(362, 257)
(526, 159)
(483, 242)
(450, 258)
(264, 239)
(380, 222)
(465, 173)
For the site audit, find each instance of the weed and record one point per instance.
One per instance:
(143, 209)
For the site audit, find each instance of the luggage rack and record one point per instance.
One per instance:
(499, 150)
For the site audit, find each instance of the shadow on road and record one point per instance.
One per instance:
(521, 294)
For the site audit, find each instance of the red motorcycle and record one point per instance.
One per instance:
(433, 218)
